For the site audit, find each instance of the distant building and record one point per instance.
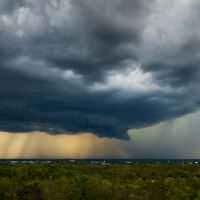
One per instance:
(14, 162)
(103, 163)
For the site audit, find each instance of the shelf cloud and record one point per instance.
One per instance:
(105, 66)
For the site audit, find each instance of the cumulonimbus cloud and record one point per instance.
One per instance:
(97, 66)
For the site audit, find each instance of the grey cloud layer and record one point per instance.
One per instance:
(59, 61)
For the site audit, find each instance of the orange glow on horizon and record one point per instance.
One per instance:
(41, 145)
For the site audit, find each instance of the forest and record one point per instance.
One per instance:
(89, 181)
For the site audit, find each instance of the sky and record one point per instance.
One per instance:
(99, 79)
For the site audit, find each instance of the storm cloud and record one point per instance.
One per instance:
(104, 66)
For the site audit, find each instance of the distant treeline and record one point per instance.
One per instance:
(87, 181)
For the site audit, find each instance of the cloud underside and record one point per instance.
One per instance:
(97, 66)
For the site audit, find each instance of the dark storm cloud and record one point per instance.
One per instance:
(179, 68)
(96, 66)
(177, 75)
(9, 6)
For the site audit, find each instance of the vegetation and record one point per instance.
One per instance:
(82, 180)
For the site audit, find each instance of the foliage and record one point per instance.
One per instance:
(86, 181)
